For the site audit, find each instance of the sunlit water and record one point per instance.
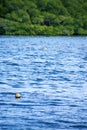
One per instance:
(50, 73)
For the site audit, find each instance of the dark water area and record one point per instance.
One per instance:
(50, 73)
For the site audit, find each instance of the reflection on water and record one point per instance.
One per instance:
(51, 75)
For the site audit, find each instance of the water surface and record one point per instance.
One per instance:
(51, 75)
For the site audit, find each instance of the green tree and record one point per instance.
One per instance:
(49, 18)
(38, 20)
(19, 16)
(43, 17)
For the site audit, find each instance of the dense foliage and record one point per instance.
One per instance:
(43, 17)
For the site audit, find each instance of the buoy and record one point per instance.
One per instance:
(17, 95)
(44, 48)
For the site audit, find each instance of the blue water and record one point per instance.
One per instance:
(50, 73)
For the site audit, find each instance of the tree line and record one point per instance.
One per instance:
(43, 17)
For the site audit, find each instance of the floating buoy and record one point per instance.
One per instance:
(44, 48)
(17, 95)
